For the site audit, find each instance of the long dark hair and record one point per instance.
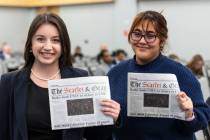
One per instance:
(55, 20)
(192, 65)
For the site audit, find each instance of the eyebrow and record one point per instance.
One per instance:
(57, 36)
(152, 32)
(138, 30)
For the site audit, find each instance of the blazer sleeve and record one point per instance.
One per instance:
(4, 108)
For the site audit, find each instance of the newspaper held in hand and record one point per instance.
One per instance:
(153, 95)
(75, 102)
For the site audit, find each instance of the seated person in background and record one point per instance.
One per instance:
(6, 50)
(196, 65)
(120, 55)
(78, 53)
(106, 63)
(174, 57)
(1, 54)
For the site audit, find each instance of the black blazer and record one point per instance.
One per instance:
(13, 96)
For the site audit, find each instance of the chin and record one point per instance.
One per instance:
(48, 62)
(142, 54)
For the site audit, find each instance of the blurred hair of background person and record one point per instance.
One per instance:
(174, 57)
(119, 56)
(103, 47)
(196, 65)
(24, 101)
(78, 55)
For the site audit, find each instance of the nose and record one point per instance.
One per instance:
(142, 40)
(47, 46)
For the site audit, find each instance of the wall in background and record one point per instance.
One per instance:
(188, 23)
(98, 25)
(14, 26)
(37, 3)
(107, 24)
(91, 26)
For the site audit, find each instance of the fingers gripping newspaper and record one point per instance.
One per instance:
(75, 102)
(153, 95)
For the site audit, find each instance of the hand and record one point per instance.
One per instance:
(110, 108)
(185, 104)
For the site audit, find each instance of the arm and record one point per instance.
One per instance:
(200, 109)
(109, 108)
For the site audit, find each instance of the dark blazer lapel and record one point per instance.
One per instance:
(21, 84)
(20, 97)
(67, 73)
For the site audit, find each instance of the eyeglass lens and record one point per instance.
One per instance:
(148, 36)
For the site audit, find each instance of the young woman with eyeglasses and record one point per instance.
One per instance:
(147, 37)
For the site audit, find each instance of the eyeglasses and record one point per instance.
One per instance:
(149, 37)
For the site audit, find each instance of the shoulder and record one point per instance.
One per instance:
(14, 77)
(10, 75)
(120, 68)
(185, 77)
(75, 71)
(176, 67)
(7, 83)
(80, 71)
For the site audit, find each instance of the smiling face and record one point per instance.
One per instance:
(46, 46)
(145, 42)
(147, 36)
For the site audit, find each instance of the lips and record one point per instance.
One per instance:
(146, 47)
(47, 54)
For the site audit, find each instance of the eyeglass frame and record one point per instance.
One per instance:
(143, 35)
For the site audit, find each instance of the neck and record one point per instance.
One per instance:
(45, 71)
(54, 76)
(144, 62)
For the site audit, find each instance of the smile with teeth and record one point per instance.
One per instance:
(46, 54)
(147, 47)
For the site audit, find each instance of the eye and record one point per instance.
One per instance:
(56, 40)
(137, 34)
(151, 36)
(40, 39)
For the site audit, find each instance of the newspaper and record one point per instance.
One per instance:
(75, 102)
(153, 95)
